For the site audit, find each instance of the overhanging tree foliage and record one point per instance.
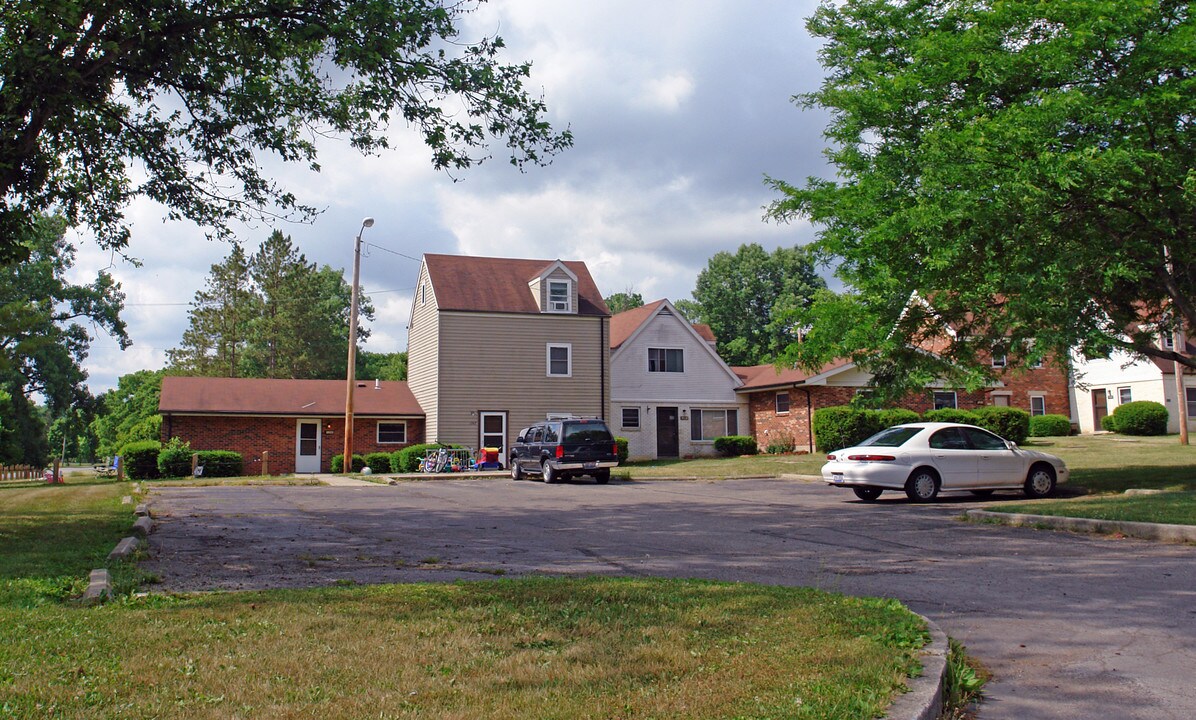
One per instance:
(194, 95)
(1025, 167)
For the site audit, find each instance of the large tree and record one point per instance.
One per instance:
(197, 97)
(272, 314)
(1023, 171)
(129, 412)
(624, 301)
(746, 297)
(46, 325)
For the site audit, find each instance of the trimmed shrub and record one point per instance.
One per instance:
(951, 415)
(1108, 423)
(378, 462)
(140, 458)
(621, 445)
(842, 426)
(338, 463)
(1050, 426)
(410, 458)
(896, 416)
(174, 459)
(780, 446)
(1141, 417)
(220, 463)
(1012, 424)
(735, 445)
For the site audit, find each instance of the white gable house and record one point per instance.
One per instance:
(671, 394)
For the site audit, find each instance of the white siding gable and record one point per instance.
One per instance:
(706, 379)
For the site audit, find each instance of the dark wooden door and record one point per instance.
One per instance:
(1100, 407)
(666, 432)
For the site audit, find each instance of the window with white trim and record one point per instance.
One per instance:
(1037, 405)
(1190, 395)
(1168, 341)
(1124, 395)
(707, 424)
(944, 400)
(560, 296)
(669, 360)
(1000, 359)
(559, 360)
(782, 403)
(392, 433)
(631, 418)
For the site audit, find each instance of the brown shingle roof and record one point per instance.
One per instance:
(704, 330)
(760, 377)
(623, 325)
(258, 396)
(481, 284)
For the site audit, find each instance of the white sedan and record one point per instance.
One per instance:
(924, 458)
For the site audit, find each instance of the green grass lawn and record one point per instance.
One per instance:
(1174, 508)
(590, 647)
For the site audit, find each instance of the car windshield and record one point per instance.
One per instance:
(594, 432)
(891, 437)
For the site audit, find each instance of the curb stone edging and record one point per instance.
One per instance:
(99, 587)
(924, 701)
(1142, 530)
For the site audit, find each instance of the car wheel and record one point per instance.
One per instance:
(516, 471)
(1040, 482)
(922, 486)
(982, 493)
(602, 476)
(550, 475)
(867, 494)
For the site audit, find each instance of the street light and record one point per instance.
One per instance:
(350, 373)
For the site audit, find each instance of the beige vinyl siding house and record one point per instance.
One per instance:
(497, 344)
(672, 393)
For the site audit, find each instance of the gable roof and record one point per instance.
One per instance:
(500, 285)
(624, 324)
(300, 398)
(764, 377)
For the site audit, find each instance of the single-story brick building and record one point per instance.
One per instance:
(300, 422)
(782, 402)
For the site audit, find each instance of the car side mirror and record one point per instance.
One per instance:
(1009, 444)
(520, 439)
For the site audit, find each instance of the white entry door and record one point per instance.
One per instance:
(492, 432)
(307, 446)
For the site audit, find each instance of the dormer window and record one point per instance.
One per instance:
(559, 294)
(1168, 341)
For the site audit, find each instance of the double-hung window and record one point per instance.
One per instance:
(782, 403)
(1124, 395)
(560, 296)
(560, 360)
(1037, 405)
(1190, 394)
(666, 360)
(944, 399)
(631, 418)
(706, 425)
(392, 433)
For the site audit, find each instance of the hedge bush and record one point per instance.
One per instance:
(338, 463)
(174, 459)
(1010, 423)
(220, 463)
(621, 444)
(378, 462)
(140, 459)
(735, 445)
(1050, 426)
(409, 459)
(1108, 423)
(951, 415)
(896, 416)
(780, 446)
(1141, 417)
(842, 426)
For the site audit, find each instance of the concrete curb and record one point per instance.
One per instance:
(125, 548)
(99, 587)
(1143, 530)
(924, 701)
(143, 525)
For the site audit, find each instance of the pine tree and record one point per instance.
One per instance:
(215, 341)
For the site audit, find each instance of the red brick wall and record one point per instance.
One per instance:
(768, 427)
(251, 435)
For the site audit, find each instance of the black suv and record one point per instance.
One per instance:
(560, 449)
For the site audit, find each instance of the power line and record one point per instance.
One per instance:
(392, 252)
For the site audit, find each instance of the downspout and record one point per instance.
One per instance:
(809, 418)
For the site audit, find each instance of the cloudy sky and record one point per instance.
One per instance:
(679, 108)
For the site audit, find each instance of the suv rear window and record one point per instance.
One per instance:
(587, 433)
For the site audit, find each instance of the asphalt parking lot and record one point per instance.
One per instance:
(1073, 626)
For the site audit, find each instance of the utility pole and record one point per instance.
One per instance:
(351, 374)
